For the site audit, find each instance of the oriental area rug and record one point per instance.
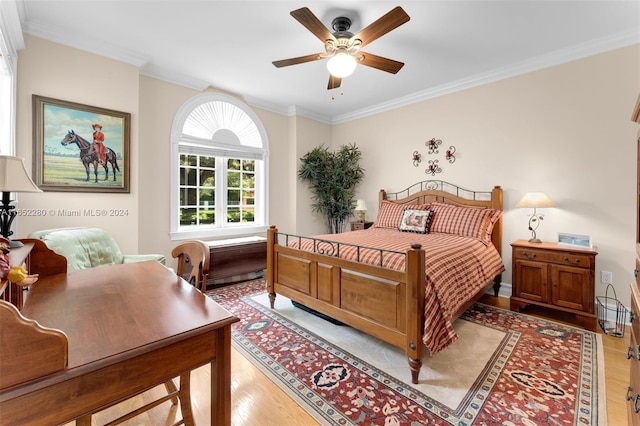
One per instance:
(506, 368)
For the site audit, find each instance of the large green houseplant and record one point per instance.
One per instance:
(333, 177)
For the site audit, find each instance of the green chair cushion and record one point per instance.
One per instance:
(87, 248)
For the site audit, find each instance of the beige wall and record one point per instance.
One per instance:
(564, 130)
(51, 70)
(159, 103)
(60, 72)
(308, 135)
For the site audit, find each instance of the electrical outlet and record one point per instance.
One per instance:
(606, 277)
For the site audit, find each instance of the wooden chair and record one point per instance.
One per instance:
(47, 348)
(193, 259)
(193, 254)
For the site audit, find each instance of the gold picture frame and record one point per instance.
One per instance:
(66, 147)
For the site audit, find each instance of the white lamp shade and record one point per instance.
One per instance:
(14, 176)
(341, 65)
(535, 200)
(361, 206)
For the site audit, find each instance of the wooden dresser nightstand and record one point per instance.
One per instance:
(355, 226)
(555, 277)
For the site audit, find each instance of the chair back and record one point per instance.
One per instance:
(28, 350)
(193, 262)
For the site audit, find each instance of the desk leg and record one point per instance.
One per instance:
(221, 379)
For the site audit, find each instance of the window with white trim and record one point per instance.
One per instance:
(219, 169)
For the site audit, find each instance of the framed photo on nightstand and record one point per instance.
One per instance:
(574, 240)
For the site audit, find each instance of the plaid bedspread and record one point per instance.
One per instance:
(456, 268)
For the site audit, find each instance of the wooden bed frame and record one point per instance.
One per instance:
(384, 303)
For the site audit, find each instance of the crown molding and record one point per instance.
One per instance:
(558, 57)
(86, 43)
(141, 61)
(173, 77)
(289, 111)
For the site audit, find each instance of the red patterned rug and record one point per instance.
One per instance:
(535, 372)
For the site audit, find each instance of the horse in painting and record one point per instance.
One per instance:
(89, 155)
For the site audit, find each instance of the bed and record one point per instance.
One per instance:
(433, 251)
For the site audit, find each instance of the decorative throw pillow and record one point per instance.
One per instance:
(414, 220)
(390, 214)
(464, 221)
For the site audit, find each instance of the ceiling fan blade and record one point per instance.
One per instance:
(381, 63)
(299, 60)
(312, 23)
(334, 82)
(392, 20)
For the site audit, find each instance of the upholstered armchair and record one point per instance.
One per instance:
(88, 247)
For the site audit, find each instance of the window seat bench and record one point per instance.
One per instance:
(236, 256)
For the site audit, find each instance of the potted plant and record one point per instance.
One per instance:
(333, 177)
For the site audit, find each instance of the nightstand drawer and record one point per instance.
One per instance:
(571, 259)
(356, 226)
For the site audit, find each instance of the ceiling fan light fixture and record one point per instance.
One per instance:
(341, 65)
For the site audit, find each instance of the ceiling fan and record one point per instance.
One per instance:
(342, 47)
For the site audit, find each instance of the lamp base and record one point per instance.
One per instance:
(534, 240)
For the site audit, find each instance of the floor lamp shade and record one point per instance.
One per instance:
(13, 178)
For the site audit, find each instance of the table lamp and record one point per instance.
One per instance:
(361, 207)
(13, 178)
(535, 200)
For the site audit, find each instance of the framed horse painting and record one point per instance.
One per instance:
(80, 147)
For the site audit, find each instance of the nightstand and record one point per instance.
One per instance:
(555, 277)
(355, 226)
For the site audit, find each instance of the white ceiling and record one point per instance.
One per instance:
(446, 46)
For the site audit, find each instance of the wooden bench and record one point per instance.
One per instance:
(236, 256)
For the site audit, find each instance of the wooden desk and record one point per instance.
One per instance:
(130, 328)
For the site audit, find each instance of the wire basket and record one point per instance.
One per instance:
(612, 315)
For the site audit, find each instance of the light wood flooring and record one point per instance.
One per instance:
(256, 400)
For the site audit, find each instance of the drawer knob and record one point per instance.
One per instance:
(529, 256)
(630, 352)
(635, 398)
(635, 273)
(566, 259)
(632, 316)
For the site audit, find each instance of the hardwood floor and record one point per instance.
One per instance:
(256, 400)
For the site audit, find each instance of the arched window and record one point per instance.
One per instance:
(219, 169)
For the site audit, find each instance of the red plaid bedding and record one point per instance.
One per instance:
(456, 268)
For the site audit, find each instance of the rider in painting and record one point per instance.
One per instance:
(98, 139)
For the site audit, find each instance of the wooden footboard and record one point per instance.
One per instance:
(385, 303)
(382, 302)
